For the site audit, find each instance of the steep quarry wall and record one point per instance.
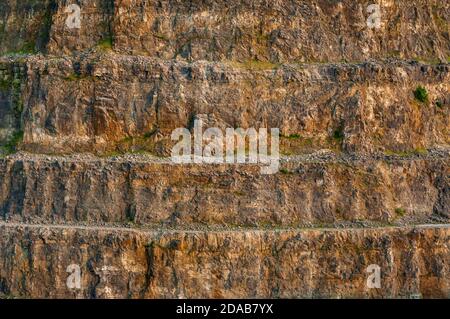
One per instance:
(114, 103)
(306, 192)
(86, 180)
(280, 31)
(118, 263)
(275, 31)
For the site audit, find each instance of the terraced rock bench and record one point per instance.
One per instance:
(273, 31)
(307, 263)
(307, 191)
(113, 103)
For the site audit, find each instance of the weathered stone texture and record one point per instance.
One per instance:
(244, 264)
(322, 191)
(280, 30)
(100, 103)
(265, 30)
(364, 177)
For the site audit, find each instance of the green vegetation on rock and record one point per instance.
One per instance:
(294, 136)
(106, 43)
(439, 104)
(12, 145)
(400, 211)
(255, 65)
(421, 94)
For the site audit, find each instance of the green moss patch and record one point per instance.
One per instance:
(106, 43)
(421, 94)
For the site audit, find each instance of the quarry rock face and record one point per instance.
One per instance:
(147, 191)
(101, 103)
(120, 263)
(92, 206)
(276, 31)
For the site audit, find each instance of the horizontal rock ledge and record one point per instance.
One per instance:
(413, 263)
(115, 103)
(309, 191)
(270, 31)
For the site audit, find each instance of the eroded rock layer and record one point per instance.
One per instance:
(104, 103)
(264, 30)
(314, 190)
(120, 263)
